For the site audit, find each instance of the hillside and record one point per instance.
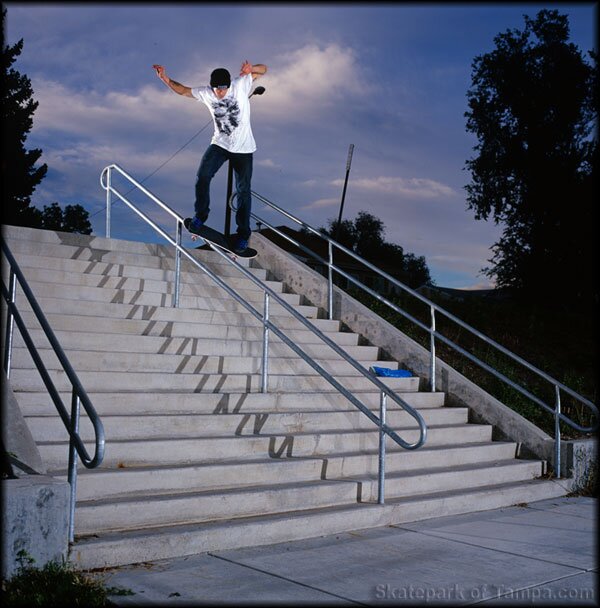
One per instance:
(560, 341)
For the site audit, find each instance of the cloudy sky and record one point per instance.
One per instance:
(389, 78)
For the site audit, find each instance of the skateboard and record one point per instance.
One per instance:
(219, 239)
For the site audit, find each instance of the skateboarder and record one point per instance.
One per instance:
(228, 103)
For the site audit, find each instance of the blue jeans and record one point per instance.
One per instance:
(212, 161)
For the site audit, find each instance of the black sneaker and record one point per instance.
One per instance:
(193, 224)
(240, 245)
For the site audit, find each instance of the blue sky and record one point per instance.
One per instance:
(389, 78)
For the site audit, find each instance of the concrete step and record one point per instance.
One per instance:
(112, 251)
(124, 427)
(184, 364)
(296, 331)
(94, 484)
(166, 314)
(120, 548)
(197, 284)
(157, 298)
(99, 250)
(142, 298)
(106, 404)
(419, 482)
(134, 512)
(188, 345)
(203, 506)
(141, 272)
(124, 454)
(25, 381)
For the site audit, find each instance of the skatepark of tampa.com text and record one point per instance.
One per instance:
(480, 592)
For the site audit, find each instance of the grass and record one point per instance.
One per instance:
(560, 342)
(55, 584)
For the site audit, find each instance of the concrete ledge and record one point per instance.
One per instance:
(579, 462)
(35, 511)
(461, 392)
(17, 440)
(35, 507)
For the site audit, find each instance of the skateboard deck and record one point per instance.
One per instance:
(219, 239)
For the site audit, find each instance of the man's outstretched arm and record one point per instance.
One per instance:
(179, 88)
(257, 70)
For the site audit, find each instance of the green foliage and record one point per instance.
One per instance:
(56, 584)
(20, 176)
(74, 218)
(533, 108)
(561, 343)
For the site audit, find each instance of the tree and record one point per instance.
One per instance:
(532, 108)
(415, 270)
(369, 236)
(365, 236)
(19, 174)
(74, 218)
(344, 231)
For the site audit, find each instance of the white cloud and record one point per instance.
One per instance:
(477, 286)
(267, 163)
(307, 80)
(81, 132)
(97, 115)
(410, 187)
(322, 203)
(308, 183)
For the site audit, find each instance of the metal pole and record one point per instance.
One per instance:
(265, 361)
(557, 434)
(432, 341)
(72, 476)
(330, 283)
(227, 230)
(348, 163)
(177, 265)
(108, 203)
(381, 480)
(10, 323)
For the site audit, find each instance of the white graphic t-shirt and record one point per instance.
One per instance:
(231, 115)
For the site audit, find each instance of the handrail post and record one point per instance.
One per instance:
(108, 202)
(72, 475)
(265, 357)
(432, 349)
(381, 480)
(10, 323)
(330, 283)
(557, 433)
(177, 265)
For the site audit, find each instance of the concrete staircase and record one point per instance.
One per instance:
(197, 458)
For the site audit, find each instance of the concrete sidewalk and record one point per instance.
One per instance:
(542, 553)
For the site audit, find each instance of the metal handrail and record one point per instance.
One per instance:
(78, 393)
(269, 326)
(431, 330)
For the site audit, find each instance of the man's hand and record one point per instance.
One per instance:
(175, 86)
(246, 68)
(258, 69)
(160, 72)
